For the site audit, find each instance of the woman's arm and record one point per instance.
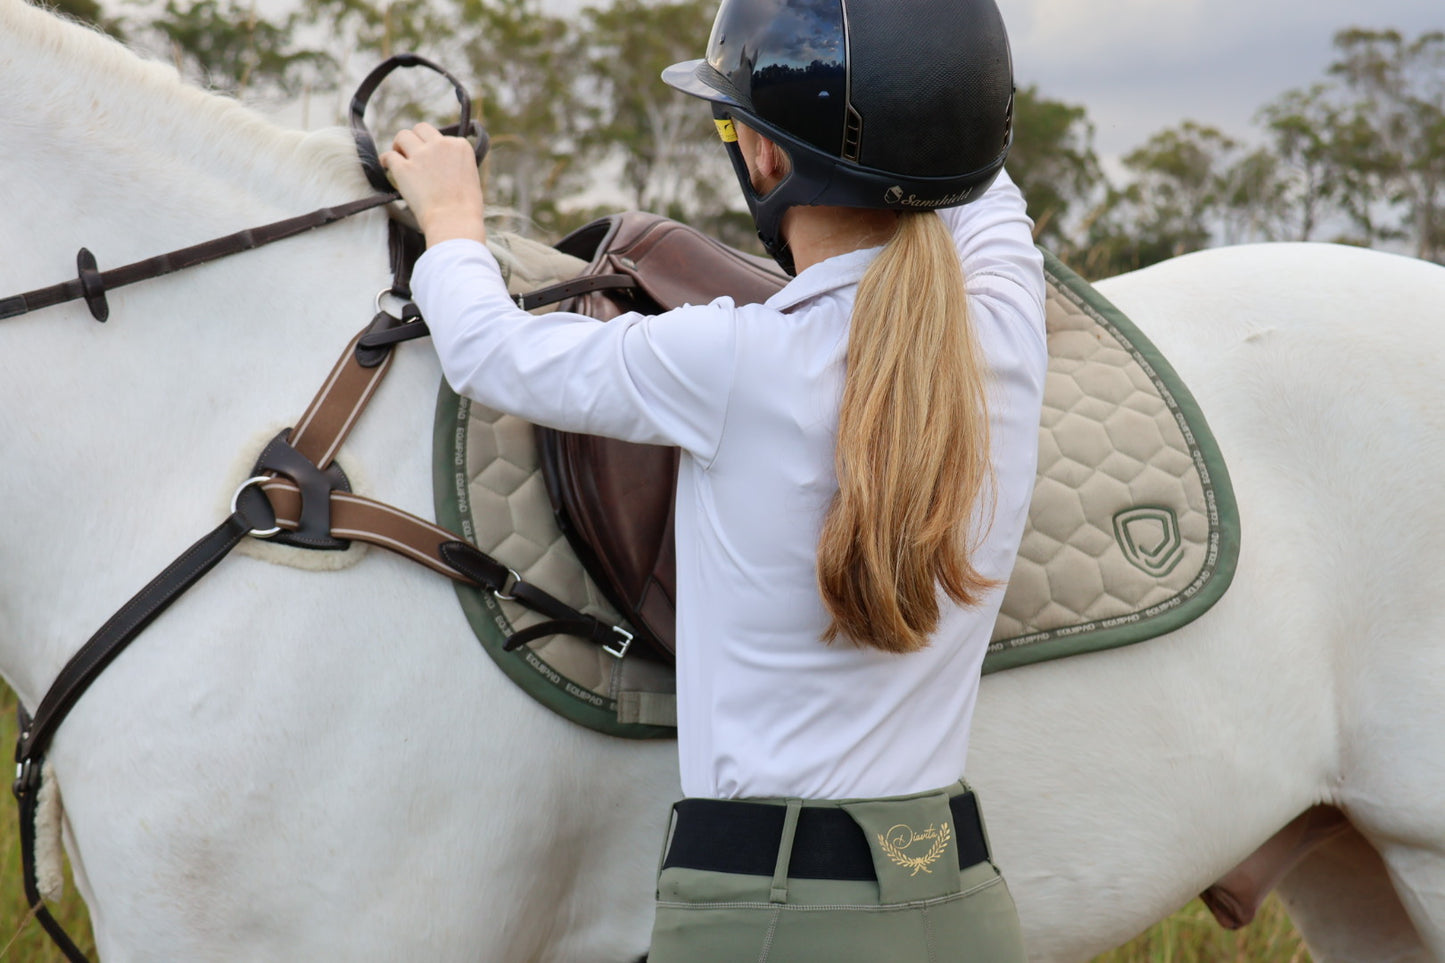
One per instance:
(661, 379)
(1001, 264)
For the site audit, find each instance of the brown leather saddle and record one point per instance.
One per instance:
(613, 499)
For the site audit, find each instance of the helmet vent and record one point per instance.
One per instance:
(852, 135)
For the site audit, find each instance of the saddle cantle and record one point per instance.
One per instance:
(1132, 532)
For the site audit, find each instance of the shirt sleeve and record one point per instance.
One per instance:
(1003, 268)
(655, 379)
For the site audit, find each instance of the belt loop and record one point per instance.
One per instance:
(666, 841)
(779, 892)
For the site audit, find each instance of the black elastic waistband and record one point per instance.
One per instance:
(736, 836)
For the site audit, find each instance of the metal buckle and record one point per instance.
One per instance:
(508, 587)
(621, 650)
(236, 498)
(24, 778)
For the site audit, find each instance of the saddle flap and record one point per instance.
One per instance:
(614, 499)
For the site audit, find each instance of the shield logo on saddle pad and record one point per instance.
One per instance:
(1150, 539)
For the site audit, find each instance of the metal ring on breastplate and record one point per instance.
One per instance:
(236, 498)
(383, 293)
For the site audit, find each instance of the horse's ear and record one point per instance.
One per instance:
(366, 145)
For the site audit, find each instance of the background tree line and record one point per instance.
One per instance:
(1358, 158)
(580, 124)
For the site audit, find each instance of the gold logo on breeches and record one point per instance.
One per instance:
(897, 842)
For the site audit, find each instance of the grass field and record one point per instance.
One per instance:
(1189, 936)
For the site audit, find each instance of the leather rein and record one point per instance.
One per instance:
(296, 493)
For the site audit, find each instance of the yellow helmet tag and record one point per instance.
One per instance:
(726, 131)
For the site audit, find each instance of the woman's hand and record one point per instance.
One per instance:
(437, 175)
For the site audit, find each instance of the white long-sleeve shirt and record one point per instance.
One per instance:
(750, 393)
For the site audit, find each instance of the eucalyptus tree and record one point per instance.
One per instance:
(1169, 207)
(1397, 86)
(1054, 163)
(522, 63)
(665, 144)
(1308, 129)
(228, 46)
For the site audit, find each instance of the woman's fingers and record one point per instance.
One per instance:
(408, 141)
(437, 175)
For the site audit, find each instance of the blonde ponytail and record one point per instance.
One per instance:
(912, 452)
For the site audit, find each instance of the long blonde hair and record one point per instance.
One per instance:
(913, 448)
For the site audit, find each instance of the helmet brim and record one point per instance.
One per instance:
(698, 78)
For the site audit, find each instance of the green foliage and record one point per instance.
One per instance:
(1052, 161)
(91, 12)
(662, 140)
(1192, 936)
(1304, 127)
(377, 30)
(1189, 183)
(1397, 90)
(1362, 157)
(227, 46)
(525, 65)
(580, 122)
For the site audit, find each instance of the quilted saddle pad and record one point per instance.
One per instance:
(1133, 529)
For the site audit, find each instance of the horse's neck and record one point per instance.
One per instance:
(106, 136)
(120, 439)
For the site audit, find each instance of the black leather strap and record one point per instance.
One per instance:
(574, 288)
(739, 836)
(29, 803)
(97, 653)
(92, 285)
(253, 512)
(387, 331)
(503, 582)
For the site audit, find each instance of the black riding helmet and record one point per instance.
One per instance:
(901, 104)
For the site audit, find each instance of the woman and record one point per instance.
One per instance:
(859, 453)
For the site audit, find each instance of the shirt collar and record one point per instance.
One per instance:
(839, 271)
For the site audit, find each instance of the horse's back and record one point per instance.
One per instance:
(1330, 293)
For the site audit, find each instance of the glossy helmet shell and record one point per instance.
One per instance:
(878, 103)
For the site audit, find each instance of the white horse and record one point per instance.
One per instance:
(319, 765)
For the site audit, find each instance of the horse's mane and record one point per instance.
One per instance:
(69, 78)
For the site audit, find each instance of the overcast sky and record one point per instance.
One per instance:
(1142, 65)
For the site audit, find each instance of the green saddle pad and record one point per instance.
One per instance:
(1133, 529)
